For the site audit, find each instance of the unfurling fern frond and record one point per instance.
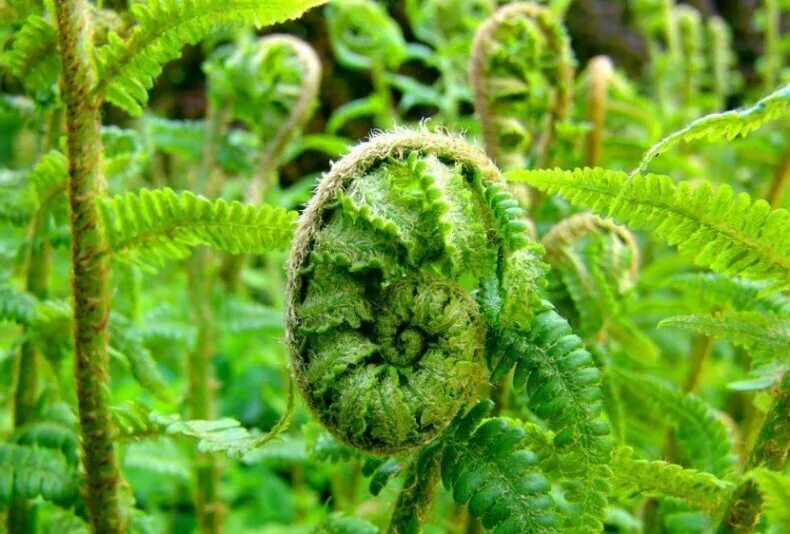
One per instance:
(727, 125)
(488, 466)
(409, 264)
(661, 479)
(152, 226)
(521, 73)
(728, 233)
(594, 262)
(33, 56)
(363, 35)
(699, 430)
(30, 472)
(128, 67)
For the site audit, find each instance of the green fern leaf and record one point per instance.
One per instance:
(128, 67)
(727, 125)
(699, 430)
(487, 467)
(33, 56)
(50, 434)
(338, 523)
(151, 226)
(775, 489)
(48, 177)
(727, 233)
(662, 479)
(706, 291)
(752, 330)
(30, 472)
(17, 306)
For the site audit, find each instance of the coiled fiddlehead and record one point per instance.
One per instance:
(396, 274)
(521, 75)
(594, 262)
(272, 86)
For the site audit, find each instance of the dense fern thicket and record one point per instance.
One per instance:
(355, 266)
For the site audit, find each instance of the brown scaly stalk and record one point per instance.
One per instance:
(769, 451)
(90, 269)
(419, 488)
(600, 73)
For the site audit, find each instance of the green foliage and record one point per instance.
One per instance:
(727, 125)
(662, 479)
(704, 437)
(488, 466)
(363, 35)
(128, 67)
(32, 57)
(29, 472)
(728, 233)
(774, 487)
(150, 227)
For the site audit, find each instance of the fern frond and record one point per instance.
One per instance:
(49, 434)
(33, 57)
(17, 306)
(706, 291)
(699, 430)
(128, 67)
(661, 479)
(131, 421)
(775, 490)
(337, 522)
(727, 233)
(151, 226)
(727, 125)
(487, 467)
(48, 177)
(752, 330)
(30, 472)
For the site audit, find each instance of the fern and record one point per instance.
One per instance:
(48, 177)
(128, 67)
(50, 434)
(17, 306)
(486, 466)
(33, 57)
(775, 489)
(151, 226)
(728, 233)
(699, 430)
(727, 125)
(767, 334)
(30, 472)
(661, 479)
(706, 291)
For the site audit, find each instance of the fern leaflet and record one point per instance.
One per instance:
(775, 489)
(151, 226)
(30, 472)
(33, 57)
(727, 125)
(728, 233)
(128, 67)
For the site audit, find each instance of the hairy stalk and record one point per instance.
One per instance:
(419, 488)
(90, 269)
(777, 188)
(600, 73)
(19, 519)
(769, 451)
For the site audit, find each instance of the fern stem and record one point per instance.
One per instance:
(385, 117)
(772, 54)
(769, 451)
(26, 394)
(600, 72)
(701, 346)
(90, 278)
(777, 188)
(419, 488)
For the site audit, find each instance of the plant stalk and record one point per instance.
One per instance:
(416, 497)
(90, 268)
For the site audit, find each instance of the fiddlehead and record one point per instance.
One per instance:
(594, 262)
(386, 338)
(521, 75)
(409, 274)
(272, 85)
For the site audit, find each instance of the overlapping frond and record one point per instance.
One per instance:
(151, 226)
(661, 479)
(729, 234)
(727, 125)
(487, 466)
(33, 57)
(128, 67)
(30, 472)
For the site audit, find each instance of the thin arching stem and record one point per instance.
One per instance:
(90, 269)
(600, 73)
